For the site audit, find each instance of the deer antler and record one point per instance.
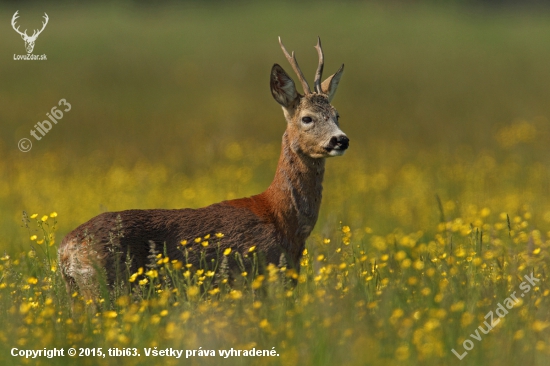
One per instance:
(319, 73)
(35, 34)
(13, 19)
(294, 64)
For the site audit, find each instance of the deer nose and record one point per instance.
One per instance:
(341, 142)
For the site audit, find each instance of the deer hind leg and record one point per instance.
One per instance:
(79, 272)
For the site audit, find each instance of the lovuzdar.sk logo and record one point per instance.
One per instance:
(29, 40)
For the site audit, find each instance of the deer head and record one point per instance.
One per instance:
(312, 126)
(29, 40)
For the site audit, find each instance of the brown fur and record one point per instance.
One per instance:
(277, 221)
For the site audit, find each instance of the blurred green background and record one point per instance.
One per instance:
(171, 108)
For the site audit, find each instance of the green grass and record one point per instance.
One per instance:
(171, 108)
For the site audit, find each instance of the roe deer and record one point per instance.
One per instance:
(277, 221)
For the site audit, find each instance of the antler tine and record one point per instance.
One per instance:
(46, 18)
(13, 20)
(319, 73)
(294, 64)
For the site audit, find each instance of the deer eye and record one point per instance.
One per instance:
(307, 119)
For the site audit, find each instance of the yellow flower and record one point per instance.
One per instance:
(44, 218)
(53, 214)
(257, 283)
(540, 325)
(466, 319)
(345, 229)
(198, 240)
(155, 319)
(459, 306)
(519, 334)
(204, 243)
(110, 314)
(152, 273)
(192, 291)
(418, 264)
(143, 282)
(252, 248)
(397, 313)
(185, 316)
(34, 237)
(227, 252)
(183, 242)
(236, 294)
(34, 216)
(163, 313)
(400, 255)
(207, 236)
(219, 235)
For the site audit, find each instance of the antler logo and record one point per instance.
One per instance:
(29, 40)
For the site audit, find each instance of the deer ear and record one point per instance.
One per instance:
(330, 85)
(282, 87)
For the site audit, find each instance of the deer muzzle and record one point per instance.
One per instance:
(337, 145)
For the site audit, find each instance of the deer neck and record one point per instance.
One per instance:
(295, 194)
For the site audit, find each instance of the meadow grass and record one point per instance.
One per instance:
(433, 217)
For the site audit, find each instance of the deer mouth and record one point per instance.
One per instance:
(335, 151)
